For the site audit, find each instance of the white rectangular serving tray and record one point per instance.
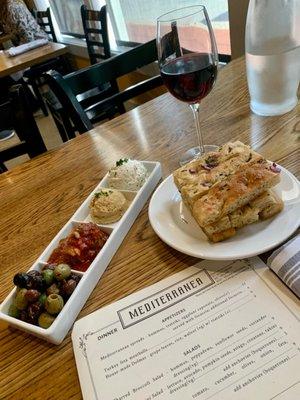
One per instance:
(117, 232)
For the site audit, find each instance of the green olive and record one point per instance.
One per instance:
(13, 311)
(45, 320)
(54, 303)
(48, 276)
(42, 298)
(20, 300)
(62, 271)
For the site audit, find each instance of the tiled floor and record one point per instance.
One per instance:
(48, 131)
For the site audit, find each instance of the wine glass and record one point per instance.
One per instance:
(188, 62)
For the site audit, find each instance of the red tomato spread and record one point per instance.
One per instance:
(80, 247)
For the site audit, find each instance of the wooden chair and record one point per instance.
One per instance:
(224, 58)
(17, 113)
(35, 73)
(96, 33)
(63, 123)
(94, 24)
(67, 88)
(44, 19)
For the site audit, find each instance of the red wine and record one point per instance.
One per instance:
(191, 77)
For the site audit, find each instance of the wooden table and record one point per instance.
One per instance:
(10, 65)
(38, 197)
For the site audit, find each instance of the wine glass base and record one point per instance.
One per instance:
(195, 152)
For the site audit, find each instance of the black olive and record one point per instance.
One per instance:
(23, 316)
(68, 287)
(33, 272)
(75, 277)
(32, 295)
(21, 280)
(36, 282)
(34, 311)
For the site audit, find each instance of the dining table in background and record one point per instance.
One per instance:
(11, 65)
(39, 196)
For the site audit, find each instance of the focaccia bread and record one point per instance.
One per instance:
(220, 236)
(263, 207)
(271, 210)
(182, 176)
(235, 192)
(268, 203)
(243, 216)
(196, 178)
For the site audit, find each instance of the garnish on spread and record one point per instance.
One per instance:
(80, 248)
(108, 206)
(127, 175)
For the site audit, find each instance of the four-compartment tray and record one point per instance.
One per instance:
(117, 232)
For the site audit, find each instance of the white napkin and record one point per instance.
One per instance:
(285, 262)
(14, 51)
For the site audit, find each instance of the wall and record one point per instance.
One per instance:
(237, 22)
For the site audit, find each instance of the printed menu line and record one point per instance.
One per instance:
(227, 279)
(241, 305)
(236, 355)
(244, 376)
(203, 320)
(228, 341)
(236, 341)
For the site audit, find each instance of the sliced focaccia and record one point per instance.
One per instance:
(236, 191)
(220, 236)
(264, 206)
(189, 173)
(269, 204)
(197, 177)
(271, 210)
(237, 219)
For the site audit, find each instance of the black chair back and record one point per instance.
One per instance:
(67, 88)
(96, 34)
(18, 115)
(44, 19)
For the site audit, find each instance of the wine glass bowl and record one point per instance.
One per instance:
(188, 61)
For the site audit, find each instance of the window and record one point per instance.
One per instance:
(67, 16)
(135, 20)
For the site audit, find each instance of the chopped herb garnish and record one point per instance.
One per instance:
(102, 193)
(121, 162)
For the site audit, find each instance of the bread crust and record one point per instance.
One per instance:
(196, 178)
(264, 206)
(238, 190)
(228, 189)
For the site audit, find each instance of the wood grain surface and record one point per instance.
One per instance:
(38, 197)
(10, 65)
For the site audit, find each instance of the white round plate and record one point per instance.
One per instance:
(174, 224)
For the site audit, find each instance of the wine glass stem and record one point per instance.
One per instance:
(195, 108)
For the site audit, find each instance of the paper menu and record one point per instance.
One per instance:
(218, 330)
